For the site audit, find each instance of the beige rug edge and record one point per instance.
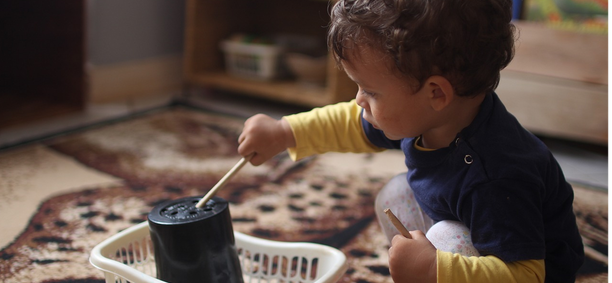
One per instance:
(30, 175)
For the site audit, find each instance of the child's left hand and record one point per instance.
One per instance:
(412, 260)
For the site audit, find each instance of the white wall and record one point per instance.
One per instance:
(126, 30)
(134, 48)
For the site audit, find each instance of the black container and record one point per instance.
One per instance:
(194, 244)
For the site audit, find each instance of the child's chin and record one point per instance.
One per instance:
(392, 137)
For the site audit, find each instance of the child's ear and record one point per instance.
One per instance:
(440, 91)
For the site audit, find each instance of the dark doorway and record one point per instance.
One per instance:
(42, 59)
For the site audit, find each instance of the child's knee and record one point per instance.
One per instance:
(398, 196)
(397, 185)
(452, 236)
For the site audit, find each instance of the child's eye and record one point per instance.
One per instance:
(367, 93)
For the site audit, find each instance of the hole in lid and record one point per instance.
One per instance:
(193, 212)
(174, 213)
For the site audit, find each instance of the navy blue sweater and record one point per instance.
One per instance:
(503, 183)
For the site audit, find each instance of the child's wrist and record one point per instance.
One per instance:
(287, 133)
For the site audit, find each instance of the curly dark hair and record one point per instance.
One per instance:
(467, 41)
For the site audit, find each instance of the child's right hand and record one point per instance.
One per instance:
(412, 260)
(264, 137)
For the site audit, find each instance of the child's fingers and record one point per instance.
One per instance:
(396, 239)
(242, 146)
(417, 234)
(245, 149)
(258, 159)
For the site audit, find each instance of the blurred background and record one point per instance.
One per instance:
(79, 62)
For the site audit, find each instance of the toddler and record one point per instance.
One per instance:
(490, 196)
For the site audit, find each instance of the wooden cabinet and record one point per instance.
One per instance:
(557, 84)
(208, 22)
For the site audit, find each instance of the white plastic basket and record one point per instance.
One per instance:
(128, 257)
(254, 61)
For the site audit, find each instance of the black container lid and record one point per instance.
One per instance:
(184, 210)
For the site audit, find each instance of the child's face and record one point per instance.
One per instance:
(389, 102)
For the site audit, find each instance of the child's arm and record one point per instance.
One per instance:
(331, 128)
(416, 260)
(459, 269)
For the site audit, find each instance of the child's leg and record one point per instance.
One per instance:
(398, 196)
(452, 236)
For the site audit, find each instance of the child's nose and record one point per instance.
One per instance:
(361, 101)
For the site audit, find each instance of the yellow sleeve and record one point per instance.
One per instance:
(335, 127)
(456, 268)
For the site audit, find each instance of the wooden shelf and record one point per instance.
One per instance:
(285, 91)
(211, 21)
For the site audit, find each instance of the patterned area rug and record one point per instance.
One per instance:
(113, 175)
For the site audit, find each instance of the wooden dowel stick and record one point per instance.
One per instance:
(223, 180)
(398, 225)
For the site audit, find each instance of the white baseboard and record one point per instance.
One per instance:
(136, 79)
